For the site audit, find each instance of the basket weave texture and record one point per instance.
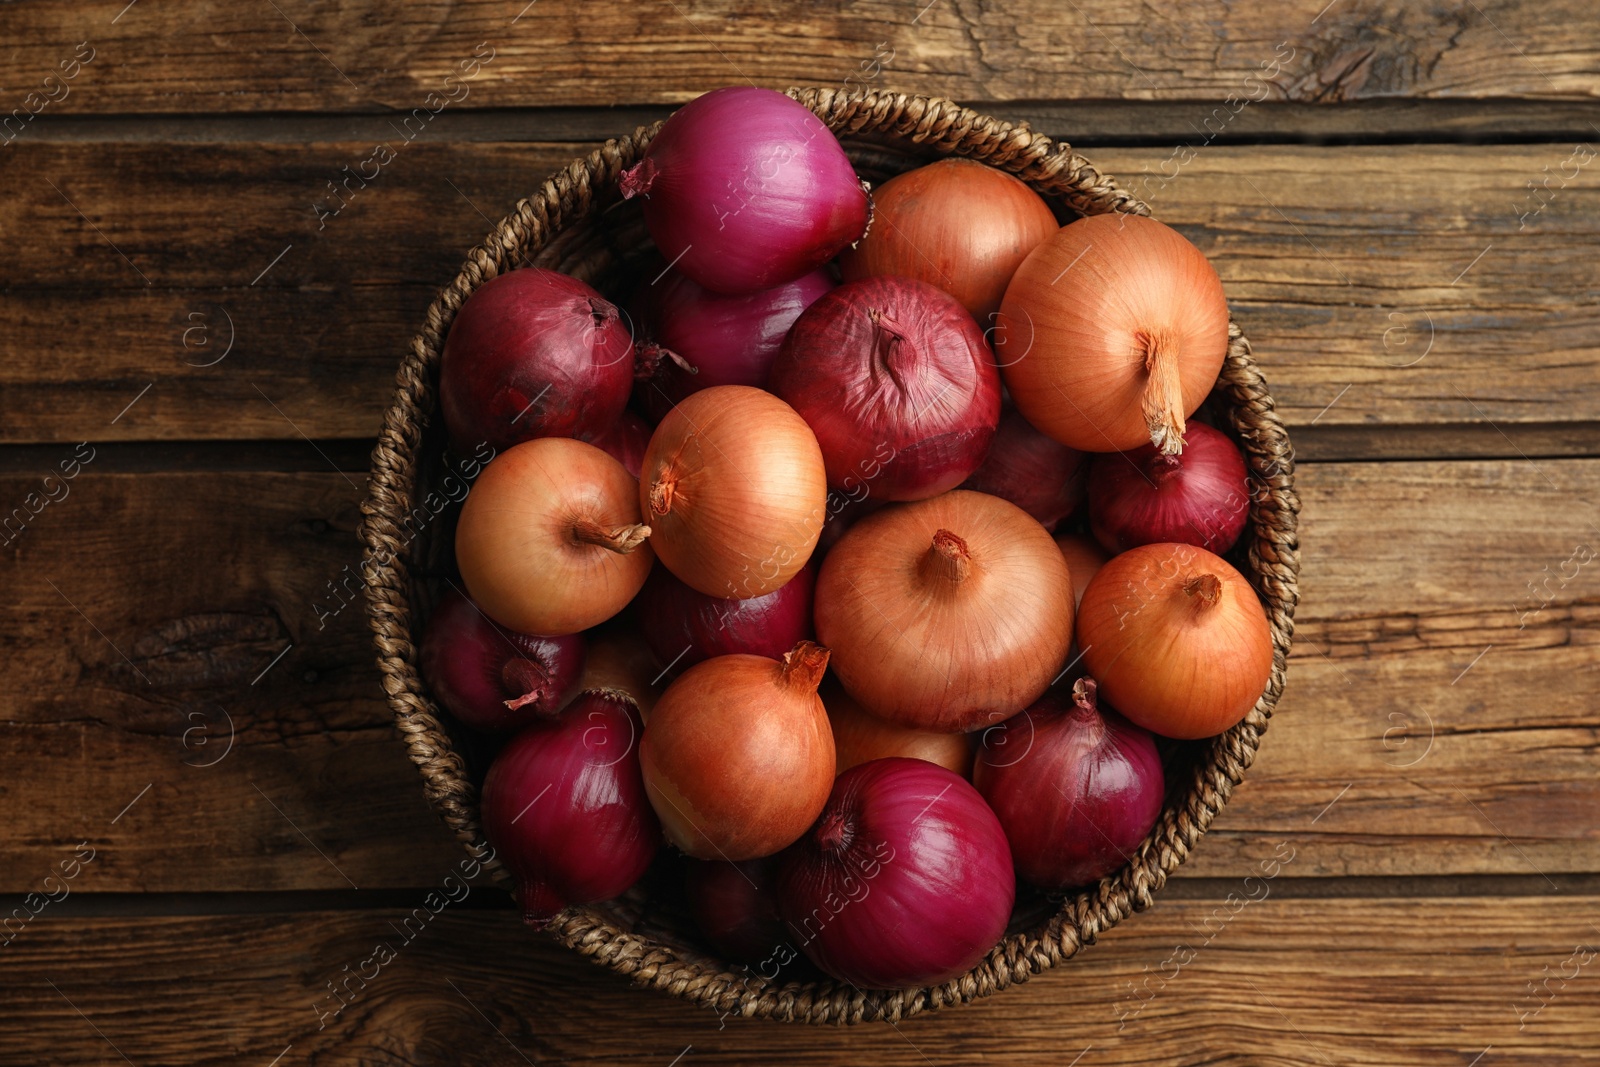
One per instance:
(576, 223)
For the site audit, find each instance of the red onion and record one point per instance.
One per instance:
(493, 679)
(534, 353)
(726, 340)
(625, 441)
(746, 189)
(685, 627)
(1077, 787)
(1143, 497)
(894, 378)
(1041, 477)
(564, 807)
(905, 880)
(735, 907)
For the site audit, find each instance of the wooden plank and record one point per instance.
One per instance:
(1396, 294)
(1401, 726)
(1429, 982)
(194, 57)
(163, 632)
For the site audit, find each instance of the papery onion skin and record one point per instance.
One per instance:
(735, 907)
(1040, 476)
(625, 441)
(534, 353)
(727, 340)
(897, 382)
(478, 670)
(1077, 788)
(1144, 496)
(1112, 333)
(745, 189)
(957, 224)
(684, 626)
(1177, 639)
(1084, 558)
(549, 539)
(565, 809)
(861, 737)
(734, 490)
(922, 638)
(738, 757)
(906, 879)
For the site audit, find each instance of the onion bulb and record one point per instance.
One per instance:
(533, 353)
(860, 737)
(493, 679)
(564, 808)
(1076, 786)
(897, 382)
(1145, 496)
(1111, 334)
(1177, 640)
(1041, 477)
(619, 664)
(736, 907)
(905, 880)
(684, 627)
(746, 189)
(550, 540)
(946, 614)
(957, 224)
(738, 758)
(734, 491)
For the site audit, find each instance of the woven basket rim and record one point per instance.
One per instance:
(570, 195)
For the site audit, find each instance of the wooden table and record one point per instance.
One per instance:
(201, 784)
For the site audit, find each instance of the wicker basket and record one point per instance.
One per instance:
(577, 223)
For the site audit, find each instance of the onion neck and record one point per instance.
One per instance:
(526, 681)
(1203, 591)
(637, 179)
(892, 347)
(662, 493)
(1086, 710)
(1161, 466)
(648, 357)
(835, 831)
(803, 666)
(948, 558)
(620, 539)
(1162, 403)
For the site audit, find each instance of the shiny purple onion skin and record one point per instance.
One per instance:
(684, 626)
(905, 880)
(565, 808)
(465, 657)
(735, 907)
(745, 189)
(1141, 497)
(1076, 789)
(1032, 471)
(895, 379)
(534, 353)
(729, 340)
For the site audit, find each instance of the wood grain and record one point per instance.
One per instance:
(195, 56)
(1404, 745)
(1382, 286)
(1427, 982)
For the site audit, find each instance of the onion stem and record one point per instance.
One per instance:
(637, 179)
(834, 831)
(804, 665)
(526, 678)
(949, 558)
(1205, 587)
(662, 491)
(1162, 403)
(621, 540)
